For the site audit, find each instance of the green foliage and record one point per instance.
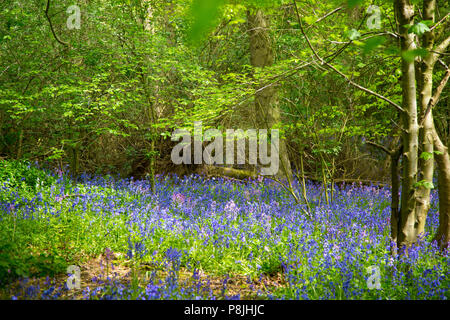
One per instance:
(426, 155)
(410, 55)
(424, 183)
(420, 28)
(205, 14)
(354, 3)
(66, 232)
(353, 34)
(15, 174)
(373, 43)
(127, 78)
(18, 261)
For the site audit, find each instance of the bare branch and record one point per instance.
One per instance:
(323, 62)
(442, 63)
(443, 45)
(379, 146)
(440, 49)
(440, 53)
(304, 34)
(328, 14)
(4, 70)
(365, 89)
(51, 25)
(440, 21)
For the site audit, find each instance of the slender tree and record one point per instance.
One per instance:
(267, 111)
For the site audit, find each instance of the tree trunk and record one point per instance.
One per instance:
(431, 141)
(394, 156)
(267, 110)
(443, 163)
(19, 145)
(426, 91)
(407, 217)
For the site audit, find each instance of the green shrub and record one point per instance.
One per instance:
(23, 174)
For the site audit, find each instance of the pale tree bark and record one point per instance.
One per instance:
(425, 79)
(267, 112)
(409, 221)
(145, 19)
(430, 139)
(407, 217)
(148, 23)
(443, 163)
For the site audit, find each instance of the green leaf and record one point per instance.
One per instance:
(419, 28)
(309, 19)
(410, 55)
(428, 185)
(354, 3)
(426, 155)
(428, 23)
(353, 34)
(424, 183)
(68, 114)
(372, 43)
(205, 14)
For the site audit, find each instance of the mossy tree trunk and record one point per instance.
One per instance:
(267, 111)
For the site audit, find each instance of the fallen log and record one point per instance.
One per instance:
(239, 174)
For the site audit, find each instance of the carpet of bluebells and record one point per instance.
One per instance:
(192, 227)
